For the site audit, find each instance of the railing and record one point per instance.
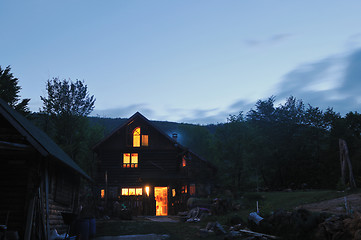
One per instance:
(136, 205)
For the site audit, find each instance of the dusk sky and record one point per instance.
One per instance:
(187, 61)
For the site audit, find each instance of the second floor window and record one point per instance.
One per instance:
(130, 160)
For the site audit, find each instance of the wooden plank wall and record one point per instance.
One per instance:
(67, 198)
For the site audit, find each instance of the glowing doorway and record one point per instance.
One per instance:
(161, 201)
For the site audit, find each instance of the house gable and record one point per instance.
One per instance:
(139, 159)
(122, 136)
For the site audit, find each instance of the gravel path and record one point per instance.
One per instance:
(336, 206)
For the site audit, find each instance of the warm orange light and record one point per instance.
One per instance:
(134, 158)
(126, 158)
(138, 191)
(136, 137)
(173, 192)
(192, 189)
(102, 193)
(147, 191)
(184, 162)
(125, 191)
(161, 201)
(145, 140)
(130, 160)
(131, 191)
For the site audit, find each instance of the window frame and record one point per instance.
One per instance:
(128, 189)
(133, 160)
(139, 139)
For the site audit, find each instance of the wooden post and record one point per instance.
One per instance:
(106, 189)
(29, 218)
(47, 201)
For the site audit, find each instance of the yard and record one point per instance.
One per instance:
(268, 202)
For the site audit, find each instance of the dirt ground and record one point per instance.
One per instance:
(337, 205)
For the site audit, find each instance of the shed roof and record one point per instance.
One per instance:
(38, 139)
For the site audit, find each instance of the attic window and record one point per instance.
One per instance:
(145, 140)
(130, 160)
(136, 137)
(139, 139)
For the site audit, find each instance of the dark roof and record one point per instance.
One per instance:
(138, 114)
(37, 138)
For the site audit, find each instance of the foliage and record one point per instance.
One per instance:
(9, 91)
(64, 114)
(67, 98)
(292, 145)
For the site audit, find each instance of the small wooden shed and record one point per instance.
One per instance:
(38, 180)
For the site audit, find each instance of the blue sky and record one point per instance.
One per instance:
(187, 61)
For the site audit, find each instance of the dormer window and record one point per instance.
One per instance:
(139, 139)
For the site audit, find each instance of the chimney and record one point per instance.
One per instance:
(174, 136)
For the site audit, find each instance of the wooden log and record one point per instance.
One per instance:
(256, 234)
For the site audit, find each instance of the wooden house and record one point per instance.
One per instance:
(38, 180)
(147, 170)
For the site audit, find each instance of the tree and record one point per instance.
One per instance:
(9, 91)
(66, 98)
(66, 108)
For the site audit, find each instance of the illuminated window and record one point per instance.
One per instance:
(130, 160)
(102, 193)
(132, 191)
(126, 160)
(192, 189)
(125, 191)
(147, 190)
(184, 162)
(173, 192)
(184, 189)
(134, 160)
(138, 191)
(136, 137)
(139, 139)
(145, 140)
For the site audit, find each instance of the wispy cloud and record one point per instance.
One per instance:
(275, 39)
(353, 41)
(123, 112)
(331, 82)
(280, 37)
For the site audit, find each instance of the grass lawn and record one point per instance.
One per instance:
(176, 231)
(268, 202)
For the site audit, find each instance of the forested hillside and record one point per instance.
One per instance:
(272, 147)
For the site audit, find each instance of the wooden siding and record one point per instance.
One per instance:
(67, 202)
(159, 164)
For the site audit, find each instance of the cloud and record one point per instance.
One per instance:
(123, 112)
(275, 39)
(279, 37)
(331, 82)
(354, 41)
